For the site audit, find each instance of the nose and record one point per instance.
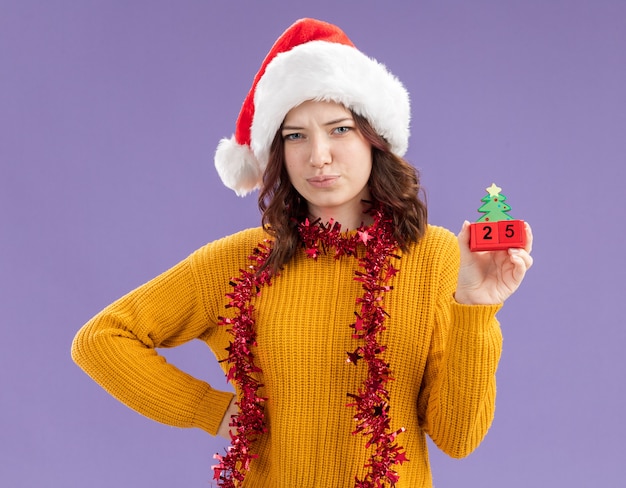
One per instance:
(320, 152)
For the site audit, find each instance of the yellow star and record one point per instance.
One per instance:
(493, 190)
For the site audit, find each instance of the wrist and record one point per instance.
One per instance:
(463, 298)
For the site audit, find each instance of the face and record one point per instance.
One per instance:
(328, 161)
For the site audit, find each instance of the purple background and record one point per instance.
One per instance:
(110, 112)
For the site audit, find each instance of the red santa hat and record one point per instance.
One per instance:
(311, 60)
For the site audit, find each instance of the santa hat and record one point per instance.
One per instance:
(311, 60)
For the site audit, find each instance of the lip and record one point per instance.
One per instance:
(322, 181)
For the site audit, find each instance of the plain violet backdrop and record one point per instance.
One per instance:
(110, 112)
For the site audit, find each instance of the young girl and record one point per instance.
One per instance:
(349, 327)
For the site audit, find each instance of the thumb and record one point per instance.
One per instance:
(464, 237)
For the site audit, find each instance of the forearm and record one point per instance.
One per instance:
(142, 379)
(118, 349)
(461, 404)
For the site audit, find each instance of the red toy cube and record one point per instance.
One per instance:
(512, 233)
(493, 236)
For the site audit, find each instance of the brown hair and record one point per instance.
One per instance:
(393, 184)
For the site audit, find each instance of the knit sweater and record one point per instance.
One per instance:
(443, 358)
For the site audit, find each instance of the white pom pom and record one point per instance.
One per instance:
(238, 168)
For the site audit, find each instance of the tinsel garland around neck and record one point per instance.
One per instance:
(371, 402)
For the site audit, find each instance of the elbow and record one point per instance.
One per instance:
(80, 348)
(459, 440)
(465, 441)
(87, 348)
(462, 450)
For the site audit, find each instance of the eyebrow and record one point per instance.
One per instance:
(330, 122)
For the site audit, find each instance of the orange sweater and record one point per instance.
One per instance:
(443, 357)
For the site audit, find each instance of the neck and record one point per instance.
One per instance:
(349, 219)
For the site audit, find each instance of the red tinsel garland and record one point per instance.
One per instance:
(371, 402)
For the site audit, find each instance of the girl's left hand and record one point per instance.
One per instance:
(493, 276)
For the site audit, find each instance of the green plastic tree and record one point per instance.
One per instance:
(494, 207)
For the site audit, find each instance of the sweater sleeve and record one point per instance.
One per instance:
(459, 382)
(117, 348)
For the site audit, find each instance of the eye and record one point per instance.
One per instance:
(292, 136)
(342, 130)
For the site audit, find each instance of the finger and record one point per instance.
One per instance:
(464, 233)
(522, 261)
(529, 238)
(522, 254)
(528, 259)
(464, 239)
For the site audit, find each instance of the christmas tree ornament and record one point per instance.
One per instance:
(496, 229)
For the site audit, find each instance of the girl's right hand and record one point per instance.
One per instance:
(225, 429)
